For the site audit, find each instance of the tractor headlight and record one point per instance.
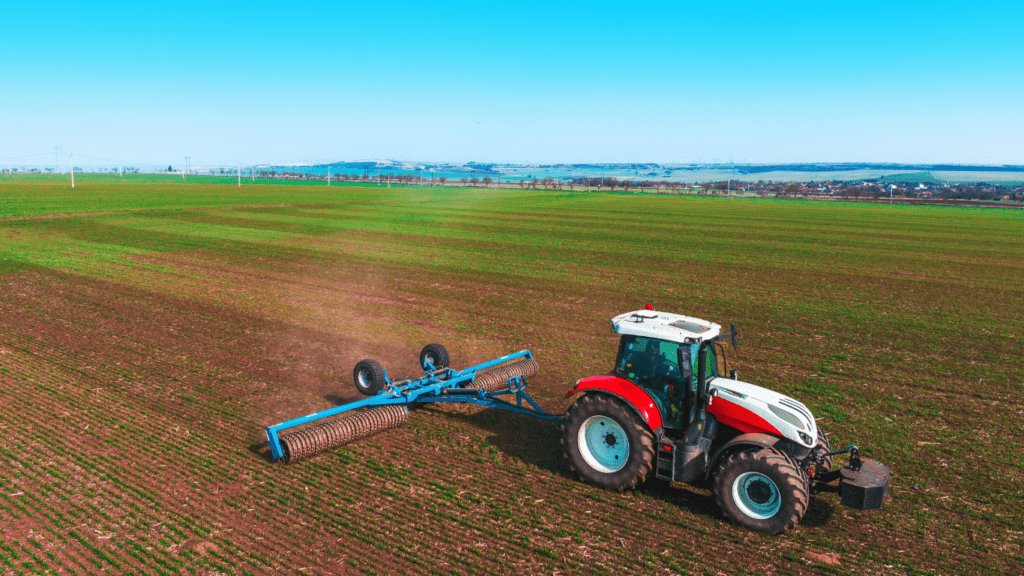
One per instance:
(805, 437)
(787, 416)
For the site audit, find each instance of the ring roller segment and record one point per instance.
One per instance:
(322, 437)
(497, 379)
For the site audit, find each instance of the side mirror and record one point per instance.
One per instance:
(685, 365)
(735, 344)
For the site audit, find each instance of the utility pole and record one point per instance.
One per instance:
(72, 170)
(239, 175)
(185, 169)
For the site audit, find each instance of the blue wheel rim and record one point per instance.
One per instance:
(603, 444)
(756, 495)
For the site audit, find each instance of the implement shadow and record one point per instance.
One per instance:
(529, 440)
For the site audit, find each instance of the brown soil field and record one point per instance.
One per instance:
(143, 352)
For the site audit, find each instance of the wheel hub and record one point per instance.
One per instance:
(759, 492)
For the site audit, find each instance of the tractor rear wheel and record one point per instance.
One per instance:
(762, 489)
(606, 443)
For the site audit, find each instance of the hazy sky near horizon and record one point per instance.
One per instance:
(763, 82)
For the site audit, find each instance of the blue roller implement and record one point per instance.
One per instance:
(482, 385)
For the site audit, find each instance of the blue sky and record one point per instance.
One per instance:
(250, 83)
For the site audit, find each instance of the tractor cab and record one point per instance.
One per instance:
(658, 352)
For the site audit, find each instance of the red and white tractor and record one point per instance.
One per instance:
(666, 411)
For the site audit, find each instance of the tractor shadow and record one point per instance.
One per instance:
(538, 443)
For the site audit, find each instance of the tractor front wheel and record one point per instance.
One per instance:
(606, 443)
(762, 489)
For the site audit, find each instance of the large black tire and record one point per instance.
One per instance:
(823, 443)
(369, 377)
(762, 489)
(437, 354)
(606, 443)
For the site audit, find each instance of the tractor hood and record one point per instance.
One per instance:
(751, 408)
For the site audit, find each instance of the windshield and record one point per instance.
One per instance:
(653, 363)
(650, 362)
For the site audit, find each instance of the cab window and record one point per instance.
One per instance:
(653, 365)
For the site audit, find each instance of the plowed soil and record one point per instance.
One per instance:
(144, 348)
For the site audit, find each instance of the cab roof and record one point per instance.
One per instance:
(665, 326)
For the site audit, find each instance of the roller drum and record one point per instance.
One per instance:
(323, 437)
(497, 379)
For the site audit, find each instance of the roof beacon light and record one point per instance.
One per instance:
(649, 307)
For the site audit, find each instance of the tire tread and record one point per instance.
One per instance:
(591, 404)
(794, 488)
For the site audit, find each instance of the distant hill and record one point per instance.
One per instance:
(911, 177)
(847, 167)
(682, 173)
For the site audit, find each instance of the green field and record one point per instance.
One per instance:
(150, 329)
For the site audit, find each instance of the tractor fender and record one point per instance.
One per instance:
(632, 395)
(757, 440)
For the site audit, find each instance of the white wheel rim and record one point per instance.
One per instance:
(603, 444)
(756, 495)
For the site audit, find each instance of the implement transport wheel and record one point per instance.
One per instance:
(824, 446)
(369, 377)
(606, 443)
(436, 354)
(762, 489)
